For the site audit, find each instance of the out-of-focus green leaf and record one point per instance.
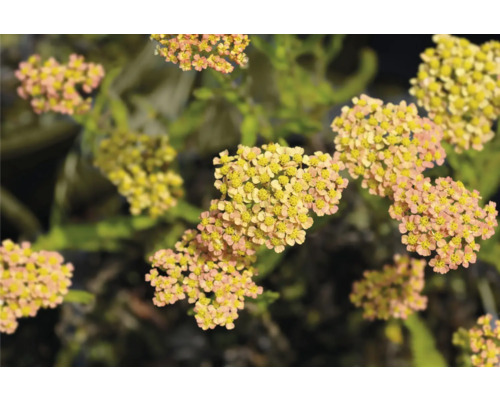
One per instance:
(103, 235)
(423, 345)
(185, 211)
(249, 129)
(79, 296)
(267, 261)
(263, 301)
(204, 93)
(120, 113)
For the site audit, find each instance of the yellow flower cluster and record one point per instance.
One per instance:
(459, 85)
(267, 195)
(203, 51)
(393, 292)
(56, 87)
(139, 165)
(385, 143)
(29, 281)
(482, 342)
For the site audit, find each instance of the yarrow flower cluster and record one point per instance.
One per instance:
(217, 283)
(30, 280)
(393, 292)
(140, 166)
(58, 87)
(482, 342)
(203, 51)
(443, 217)
(267, 195)
(384, 143)
(459, 85)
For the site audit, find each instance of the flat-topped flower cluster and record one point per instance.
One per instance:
(482, 342)
(443, 217)
(140, 166)
(52, 86)
(459, 85)
(386, 143)
(203, 51)
(268, 194)
(30, 280)
(393, 292)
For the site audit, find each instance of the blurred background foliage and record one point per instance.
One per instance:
(292, 88)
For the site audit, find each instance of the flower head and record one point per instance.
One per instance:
(444, 218)
(59, 87)
(393, 292)
(30, 280)
(203, 51)
(382, 143)
(481, 342)
(139, 165)
(458, 83)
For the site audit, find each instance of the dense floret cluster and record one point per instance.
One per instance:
(393, 292)
(59, 87)
(382, 143)
(443, 217)
(140, 166)
(267, 195)
(482, 342)
(203, 51)
(459, 85)
(30, 280)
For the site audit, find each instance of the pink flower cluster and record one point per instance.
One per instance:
(443, 217)
(458, 83)
(267, 195)
(57, 87)
(393, 292)
(216, 282)
(483, 341)
(29, 281)
(382, 143)
(203, 51)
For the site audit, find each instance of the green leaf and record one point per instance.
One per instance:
(103, 235)
(267, 261)
(263, 301)
(249, 129)
(185, 211)
(79, 296)
(119, 112)
(422, 343)
(204, 93)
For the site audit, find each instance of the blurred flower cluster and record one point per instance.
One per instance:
(30, 280)
(393, 292)
(482, 342)
(267, 195)
(459, 85)
(203, 51)
(59, 87)
(444, 217)
(140, 166)
(386, 143)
